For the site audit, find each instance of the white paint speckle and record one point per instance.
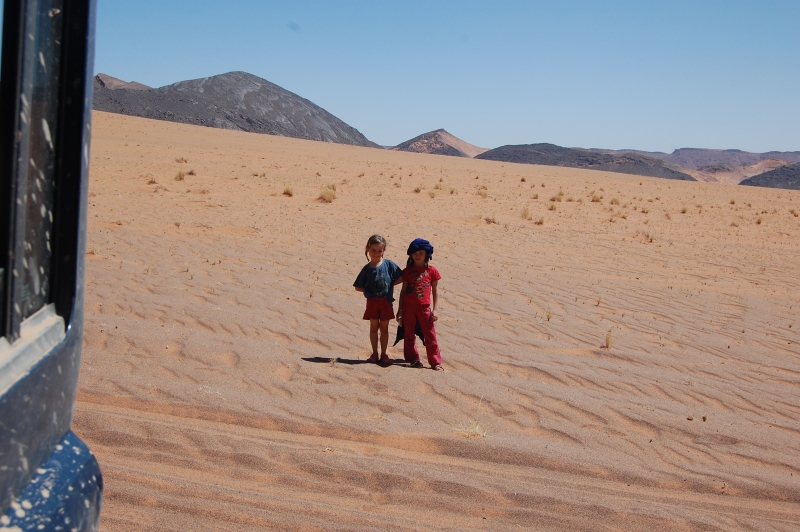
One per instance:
(86, 503)
(76, 450)
(26, 504)
(45, 493)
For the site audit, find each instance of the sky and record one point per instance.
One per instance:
(652, 75)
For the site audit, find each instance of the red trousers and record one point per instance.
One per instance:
(422, 314)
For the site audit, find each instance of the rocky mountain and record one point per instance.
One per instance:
(728, 173)
(104, 81)
(787, 177)
(236, 100)
(698, 158)
(440, 142)
(552, 155)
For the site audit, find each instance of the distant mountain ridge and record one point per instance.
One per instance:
(236, 100)
(698, 158)
(552, 155)
(440, 142)
(786, 177)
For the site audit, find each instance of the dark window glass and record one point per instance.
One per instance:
(35, 160)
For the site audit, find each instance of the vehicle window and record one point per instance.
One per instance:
(34, 168)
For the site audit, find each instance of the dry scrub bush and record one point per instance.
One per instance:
(473, 430)
(482, 193)
(328, 194)
(417, 189)
(437, 186)
(432, 194)
(552, 207)
(152, 181)
(684, 210)
(759, 220)
(596, 198)
(794, 213)
(523, 179)
(490, 220)
(453, 190)
(734, 224)
(733, 202)
(191, 172)
(179, 176)
(536, 196)
(645, 210)
(540, 221)
(526, 213)
(287, 191)
(181, 160)
(609, 338)
(614, 201)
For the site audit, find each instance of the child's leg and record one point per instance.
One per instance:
(429, 332)
(384, 328)
(373, 335)
(410, 352)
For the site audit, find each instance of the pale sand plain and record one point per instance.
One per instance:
(222, 384)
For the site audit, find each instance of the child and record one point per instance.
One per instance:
(418, 301)
(376, 281)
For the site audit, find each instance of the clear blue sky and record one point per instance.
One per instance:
(640, 74)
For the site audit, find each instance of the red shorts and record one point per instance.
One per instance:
(379, 308)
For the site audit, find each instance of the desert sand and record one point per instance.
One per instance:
(223, 385)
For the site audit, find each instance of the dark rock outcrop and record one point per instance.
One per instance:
(236, 100)
(552, 155)
(787, 177)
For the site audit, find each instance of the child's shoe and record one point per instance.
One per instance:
(385, 360)
(416, 364)
(437, 367)
(373, 359)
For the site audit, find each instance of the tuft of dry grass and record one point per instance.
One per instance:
(597, 199)
(180, 176)
(177, 224)
(437, 186)
(191, 172)
(417, 189)
(181, 160)
(614, 201)
(526, 213)
(759, 220)
(152, 181)
(536, 196)
(540, 221)
(609, 343)
(645, 210)
(733, 202)
(552, 207)
(734, 224)
(287, 191)
(794, 213)
(482, 193)
(453, 190)
(432, 194)
(328, 194)
(523, 179)
(548, 314)
(490, 220)
(684, 210)
(472, 430)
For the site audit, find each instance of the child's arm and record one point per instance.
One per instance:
(435, 296)
(400, 304)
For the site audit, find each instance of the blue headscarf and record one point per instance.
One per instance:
(419, 244)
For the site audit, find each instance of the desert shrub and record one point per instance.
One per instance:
(181, 160)
(328, 194)
(540, 221)
(614, 201)
(287, 191)
(526, 213)
(191, 172)
(179, 176)
(490, 220)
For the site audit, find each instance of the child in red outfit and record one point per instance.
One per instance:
(418, 299)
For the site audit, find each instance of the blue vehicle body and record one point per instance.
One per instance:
(49, 479)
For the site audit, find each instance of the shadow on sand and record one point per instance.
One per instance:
(351, 361)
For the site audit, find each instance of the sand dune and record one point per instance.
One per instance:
(223, 388)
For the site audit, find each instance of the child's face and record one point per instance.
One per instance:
(375, 252)
(419, 257)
